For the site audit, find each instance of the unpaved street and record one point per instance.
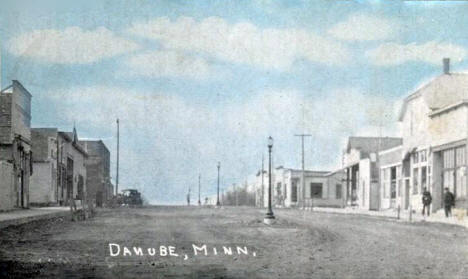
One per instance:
(300, 245)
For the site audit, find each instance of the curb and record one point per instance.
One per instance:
(28, 219)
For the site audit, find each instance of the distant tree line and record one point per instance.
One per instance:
(238, 196)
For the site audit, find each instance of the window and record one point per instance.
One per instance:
(399, 180)
(415, 180)
(422, 156)
(338, 191)
(423, 178)
(415, 157)
(316, 190)
(393, 182)
(294, 191)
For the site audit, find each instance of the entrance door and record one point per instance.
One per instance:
(407, 193)
(21, 190)
(99, 199)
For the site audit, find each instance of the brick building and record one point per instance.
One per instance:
(60, 174)
(15, 146)
(99, 186)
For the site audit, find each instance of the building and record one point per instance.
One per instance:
(99, 186)
(323, 188)
(60, 171)
(15, 146)
(393, 192)
(361, 167)
(434, 123)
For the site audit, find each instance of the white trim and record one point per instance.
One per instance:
(391, 165)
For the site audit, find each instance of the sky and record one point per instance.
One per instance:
(199, 82)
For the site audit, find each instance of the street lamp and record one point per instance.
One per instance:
(217, 200)
(269, 215)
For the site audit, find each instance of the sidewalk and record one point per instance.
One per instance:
(437, 217)
(22, 216)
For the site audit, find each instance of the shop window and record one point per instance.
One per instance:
(422, 156)
(294, 191)
(415, 157)
(316, 190)
(423, 178)
(393, 182)
(415, 181)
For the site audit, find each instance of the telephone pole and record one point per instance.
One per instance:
(217, 197)
(199, 178)
(263, 185)
(117, 173)
(303, 170)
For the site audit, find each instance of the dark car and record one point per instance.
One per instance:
(132, 197)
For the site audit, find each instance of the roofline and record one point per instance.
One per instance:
(16, 82)
(385, 151)
(448, 108)
(77, 146)
(96, 140)
(413, 95)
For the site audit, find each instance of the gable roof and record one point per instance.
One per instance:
(369, 145)
(444, 90)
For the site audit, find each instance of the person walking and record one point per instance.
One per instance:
(426, 200)
(449, 202)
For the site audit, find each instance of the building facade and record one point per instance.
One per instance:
(361, 167)
(322, 188)
(15, 146)
(59, 160)
(99, 186)
(434, 122)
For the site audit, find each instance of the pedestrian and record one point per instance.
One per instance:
(188, 198)
(426, 200)
(449, 202)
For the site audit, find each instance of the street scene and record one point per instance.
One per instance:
(299, 245)
(228, 139)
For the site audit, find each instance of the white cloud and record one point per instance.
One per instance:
(169, 63)
(71, 45)
(242, 43)
(391, 54)
(360, 27)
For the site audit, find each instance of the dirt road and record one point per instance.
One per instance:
(300, 245)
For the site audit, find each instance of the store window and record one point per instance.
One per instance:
(423, 178)
(393, 180)
(294, 191)
(415, 157)
(316, 190)
(415, 181)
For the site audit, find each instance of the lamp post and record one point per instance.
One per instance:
(269, 215)
(217, 200)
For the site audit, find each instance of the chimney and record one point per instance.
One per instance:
(446, 65)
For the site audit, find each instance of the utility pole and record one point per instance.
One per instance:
(303, 170)
(117, 173)
(199, 178)
(217, 200)
(263, 185)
